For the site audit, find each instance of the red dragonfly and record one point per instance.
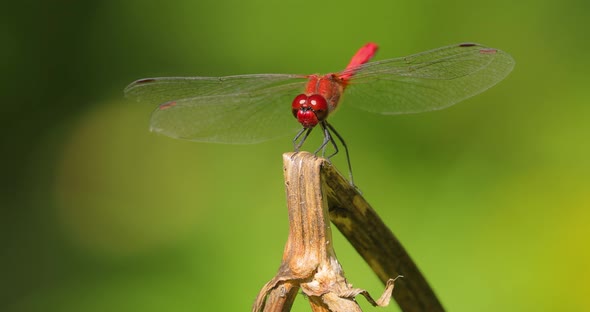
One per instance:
(251, 108)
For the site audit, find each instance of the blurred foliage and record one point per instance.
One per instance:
(490, 197)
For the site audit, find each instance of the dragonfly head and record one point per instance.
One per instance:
(309, 110)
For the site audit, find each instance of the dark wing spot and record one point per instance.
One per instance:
(468, 44)
(146, 80)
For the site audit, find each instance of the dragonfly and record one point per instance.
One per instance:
(253, 108)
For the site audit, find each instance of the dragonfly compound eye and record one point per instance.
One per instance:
(319, 105)
(299, 102)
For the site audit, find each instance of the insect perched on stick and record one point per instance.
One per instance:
(252, 108)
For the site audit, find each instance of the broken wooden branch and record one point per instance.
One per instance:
(316, 194)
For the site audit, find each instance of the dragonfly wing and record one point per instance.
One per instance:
(428, 81)
(243, 118)
(234, 109)
(164, 89)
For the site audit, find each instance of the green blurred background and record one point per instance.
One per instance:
(490, 197)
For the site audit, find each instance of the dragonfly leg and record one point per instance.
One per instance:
(297, 145)
(329, 126)
(327, 139)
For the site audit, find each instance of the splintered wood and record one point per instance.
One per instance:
(316, 194)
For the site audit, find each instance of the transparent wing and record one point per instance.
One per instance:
(233, 109)
(427, 81)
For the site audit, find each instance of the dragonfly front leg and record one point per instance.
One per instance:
(297, 145)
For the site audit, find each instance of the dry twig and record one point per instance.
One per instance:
(316, 194)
